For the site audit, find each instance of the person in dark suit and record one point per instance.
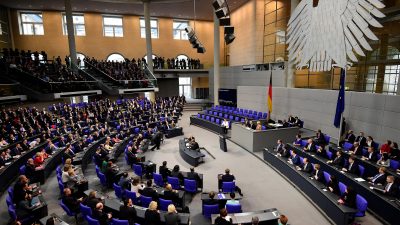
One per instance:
(70, 201)
(307, 167)
(152, 215)
(111, 174)
(380, 177)
(193, 144)
(361, 139)
(371, 155)
(25, 207)
(333, 185)
(148, 191)
(91, 201)
(350, 137)
(170, 194)
(228, 177)
(177, 173)
(321, 151)
(280, 146)
(30, 170)
(221, 220)
(356, 149)
(317, 174)
(211, 200)
(352, 167)
(20, 189)
(100, 215)
(320, 138)
(338, 160)
(194, 176)
(127, 211)
(391, 188)
(348, 198)
(294, 159)
(395, 153)
(125, 182)
(310, 147)
(164, 171)
(172, 217)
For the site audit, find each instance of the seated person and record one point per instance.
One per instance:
(380, 177)
(164, 171)
(128, 212)
(294, 159)
(92, 200)
(352, 167)
(149, 191)
(283, 220)
(64, 174)
(321, 151)
(310, 147)
(172, 217)
(228, 177)
(320, 138)
(333, 185)
(356, 149)
(317, 174)
(177, 173)
(100, 215)
(253, 125)
(246, 123)
(211, 200)
(384, 160)
(391, 188)
(125, 182)
(70, 201)
(194, 176)
(223, 218)
(193, 144)
(152, 215)
(30, 170)
(136, 186)
(258, 126)
(298, 140)
(350, 137)
(307, 167)
(371, 155)
(170, 194)
(348, 198)
(395, 153)
(280, 147)
(338, 160)
(111, 174)
(131, 155)
(233, 200)
(21, 188)
(385, 148)
(25, 207)
(39, 160)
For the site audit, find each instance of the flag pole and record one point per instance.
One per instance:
(341, 114)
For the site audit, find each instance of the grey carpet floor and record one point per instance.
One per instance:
(263, 188)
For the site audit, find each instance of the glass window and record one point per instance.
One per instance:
(116, 57)
(31, 24)
(112, 26)
(179, 29)
(153, 27)
(185, 81)
(79, 24)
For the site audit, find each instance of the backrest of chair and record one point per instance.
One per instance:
(158, 179)
(58, 170)
(394, 164)
(347, 146)
(11, 212)
(22, 170)
(130, 194)
(85, 210)
(119, 222)
(233, 208)
(92, 221)
(342, 188)
(361, 169)
(66, 209)
(145, 200)
(327, 177)
(9, 201)
(103, 179)
(117, 190)
(210, 209)
(174, 181)
(228, 187)
(362, 205)
(137, 169)
(327, 138)
(10, 191)
(329, 154)
(164, 204)
(190, 185)
(304, 143)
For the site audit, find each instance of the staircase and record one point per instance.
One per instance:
(105, 84)
(193, 107)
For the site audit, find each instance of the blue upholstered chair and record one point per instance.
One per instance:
(174, 181)
(190, 185)
(210, 209)
(228, 187)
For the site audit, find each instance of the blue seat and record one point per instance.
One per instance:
(174, 181)
(12, 213)
(10, 191)
(327, 138)
(327, 177)
(58, 170)
(137, 169)
(362, 205)
(131, 195)
(190, 185)
(364, 152)
(220, 114)
(347, 145)
(145, 201)
(233, 208)
(137, 130)
(265, 115)
(118, 191)
(263, 127)
(158, 179)
(329, 154)
(198, 115)
(230, 117)
(103, 179)
(237, 119)
(85, 210)
(9, 201)
(212, 119)
(376, 145)
(217, 121)
(164, 204)
(361, 169)
(119, 222)
(22, 170)
(228, 187)
(92, 221)
(303, 143)
(207, 117)
(208, 210)
(342, 188)
(394, 164)
(67, 210)
(61, 187)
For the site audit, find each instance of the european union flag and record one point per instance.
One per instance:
(340, 101)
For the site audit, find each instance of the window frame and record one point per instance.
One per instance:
(182, 32)
(64, 24)
(113, 26)
(151, 28)
(22, 23)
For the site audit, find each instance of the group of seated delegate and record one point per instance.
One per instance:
(259, 125)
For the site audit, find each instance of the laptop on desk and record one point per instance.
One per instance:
(379, 188)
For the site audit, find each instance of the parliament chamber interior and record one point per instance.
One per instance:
(197, 112)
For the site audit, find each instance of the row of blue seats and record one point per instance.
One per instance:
(253, 116)
(238, 111)
(214, 120)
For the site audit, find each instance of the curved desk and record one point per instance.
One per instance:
(268, 216)
(193, 157)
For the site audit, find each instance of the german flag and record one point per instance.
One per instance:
(270, 96)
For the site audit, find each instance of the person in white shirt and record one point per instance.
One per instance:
(225, 125)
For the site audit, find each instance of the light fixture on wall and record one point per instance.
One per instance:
(221, 10)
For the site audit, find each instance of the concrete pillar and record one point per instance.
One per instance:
(71, 33)
(10, 28)
(216, 59)
(149, 47)
(290, 70)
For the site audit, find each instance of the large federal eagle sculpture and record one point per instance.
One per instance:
(326, 33)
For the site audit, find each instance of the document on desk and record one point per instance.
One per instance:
(359, 179)
(221, 196)
(324, 189)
